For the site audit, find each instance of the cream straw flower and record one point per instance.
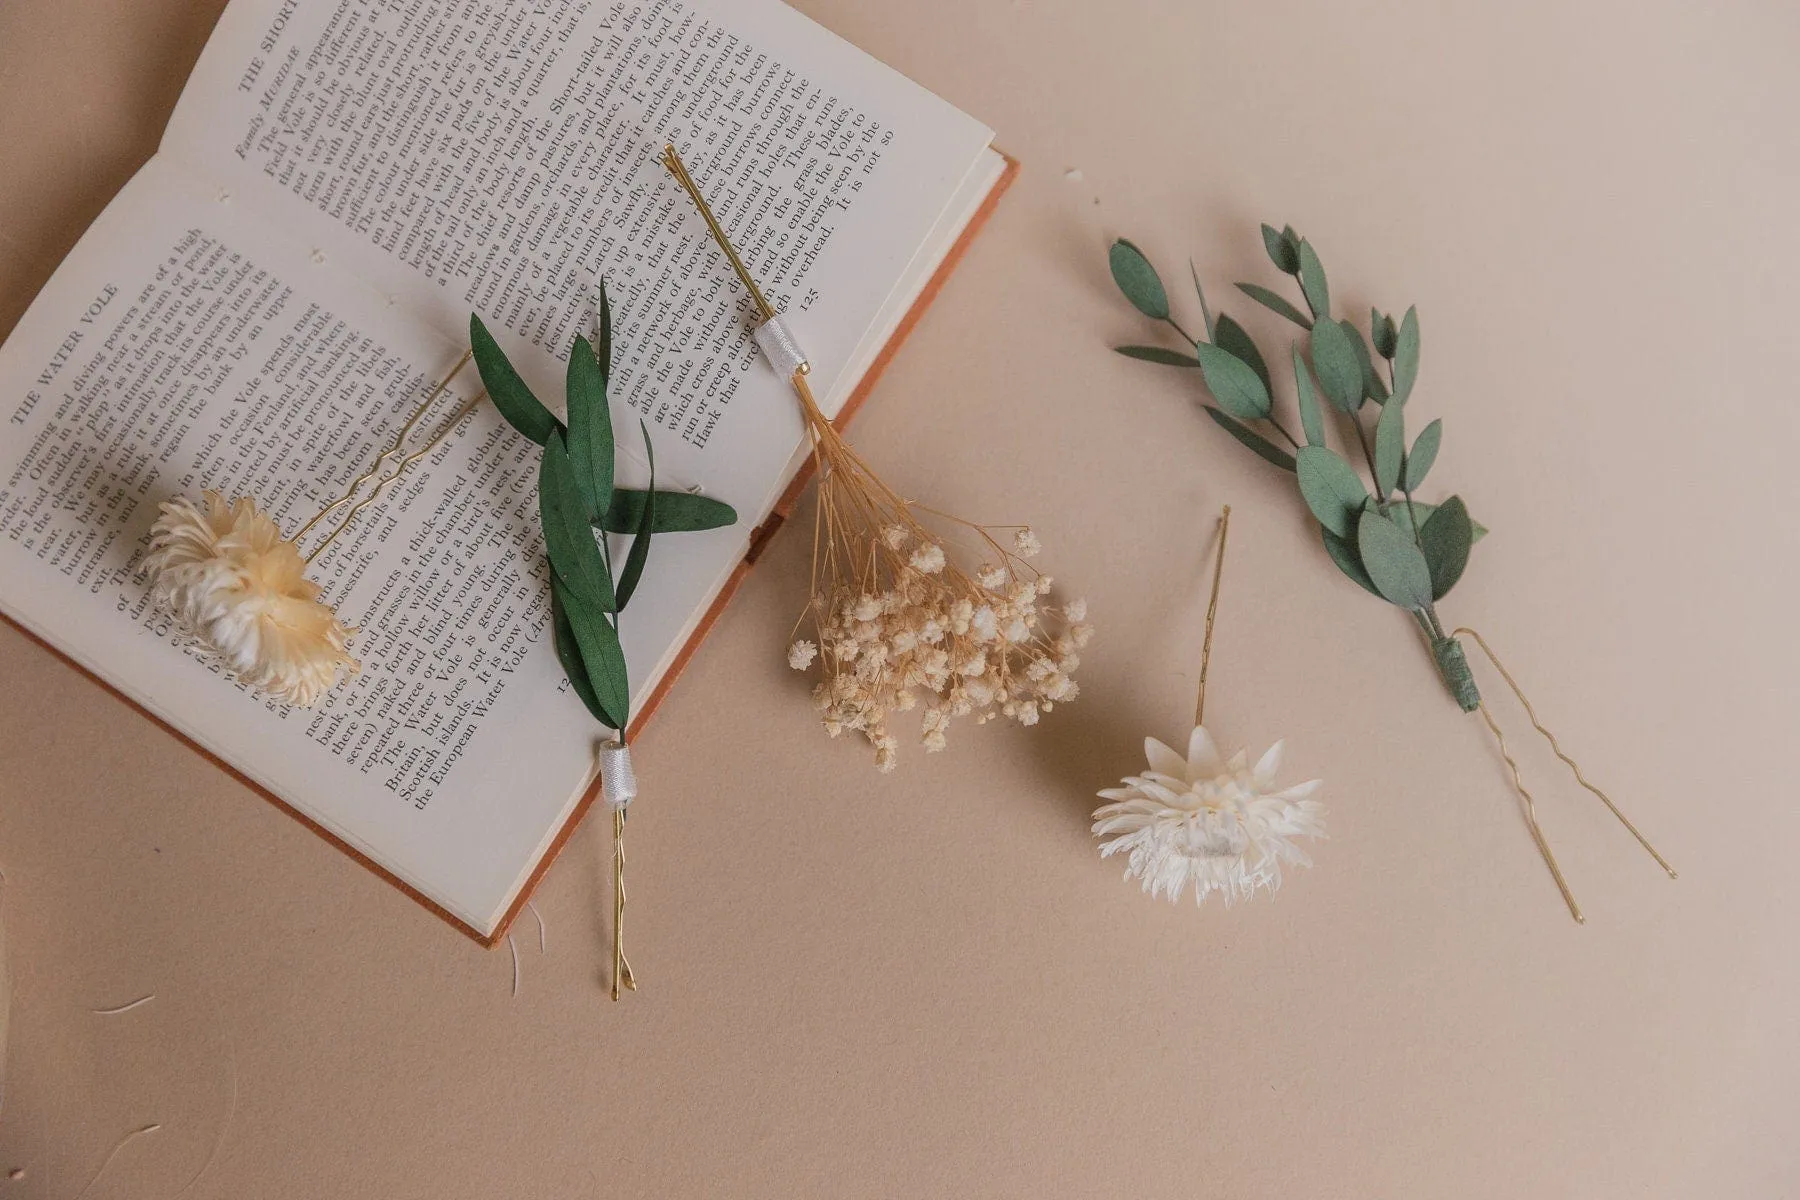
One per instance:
(1216, 823)
(230, 580)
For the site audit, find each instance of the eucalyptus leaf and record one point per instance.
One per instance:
(1282, 250)
(1256, 441)
(590, 435)
(522, 410)
(1235, 340)
(1445, 538)
(1411, 515)
(1393, 562)
(1312, 281)
(1275, 303)
(1234, 383)
(1373, 388)
(1205, 309)
(639, 553)
(1390, 448)
(1312, 419)
(1343, 553)
(1382, 333)
(1422, 455)
(1331, 489)
(1138, 280)
(675, 512)
(568, 536)
(1157, 354)
(1339, 369)
(1406, 355)
(568, 653)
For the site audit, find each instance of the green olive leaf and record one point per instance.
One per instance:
(1235, 340)
(601, 656)
(568, 535)
(1445, 538)
(1275, 303)
(1339, 369)
(639, 553)
(522, 410)
(1393, 562)
(1234, 383)
(590, 435)
(1256, 441)
(568, 653)
(1312, 282)
(1331, 489)
(675, 512)
(1423, 454)
(603, 352)
(1138, 280)
(1156, 354)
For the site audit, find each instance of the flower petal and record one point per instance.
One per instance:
(1263, 774)
(1163, 760)
(1203, 756)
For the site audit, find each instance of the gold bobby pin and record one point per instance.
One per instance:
(383, 459)
(1531, 819)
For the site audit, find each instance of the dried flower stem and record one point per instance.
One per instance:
(1212, 612)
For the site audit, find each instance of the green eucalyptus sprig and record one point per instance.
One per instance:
(579, 505)
(577, 496)
(1395, 546)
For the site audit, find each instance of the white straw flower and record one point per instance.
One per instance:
(1026, 543)
(230, 580)
(801, 655)
(1218, 824)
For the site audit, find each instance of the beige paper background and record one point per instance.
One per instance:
(927, 984)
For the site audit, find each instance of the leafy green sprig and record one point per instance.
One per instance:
(1408, 552)
(577, 496)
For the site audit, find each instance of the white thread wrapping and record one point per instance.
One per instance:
(618, 782)
(781, 347)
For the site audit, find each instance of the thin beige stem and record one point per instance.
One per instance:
(1212, 612)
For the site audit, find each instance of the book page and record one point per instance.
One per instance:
(186, 345)
(501, 157)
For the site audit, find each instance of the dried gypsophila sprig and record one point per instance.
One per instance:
(899, 622)
(237, 586)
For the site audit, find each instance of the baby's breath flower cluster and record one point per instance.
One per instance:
(900, 625)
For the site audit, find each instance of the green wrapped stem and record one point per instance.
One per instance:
(1454, 667)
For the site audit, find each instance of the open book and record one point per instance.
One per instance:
(343, 182)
